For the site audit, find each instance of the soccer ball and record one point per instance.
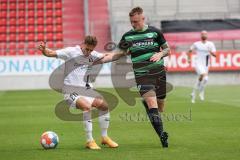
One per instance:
(49, 140)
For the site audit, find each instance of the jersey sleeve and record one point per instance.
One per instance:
(64, 53)
(193, 46)
(213, 48)
(160, 38)
(96, 55)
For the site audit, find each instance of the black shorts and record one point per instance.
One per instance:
(155, 81)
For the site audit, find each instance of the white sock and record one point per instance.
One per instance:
(203, 84)
(104, 118)
(87, 122)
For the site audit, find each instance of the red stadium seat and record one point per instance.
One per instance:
(49, 37)
(49, 13)
(58, 5)
(31, 13)
(31, 29)
(12, 29)
(3, 37)
(21, 45)
(3, 29)
(21, 21)
(40, 5)
(3, 14)
(31, 37)
(11, 52)
(12, 21)
(58, 28)
(49, 20)
(49, 5)
(59, 44)
(59, 20)
(12, 46)
(40, 37)
(59, 12)
(4, 6)
(49, 28)
(22, 5)
(59, 36)
(31, 51)
(21, 13)
(31, 45)
(12, 14)
(31, 21)
(40, 13)
(50, 44)
(3, 21)
(12, 37)
(12, 6)
(21, 29)
(40, 21)
(21, 37)
(31, 6)
(20, 52)
(40, 28)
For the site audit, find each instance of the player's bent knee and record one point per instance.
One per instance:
(100, 103)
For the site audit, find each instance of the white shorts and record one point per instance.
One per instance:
(72, 98)
(201, 69)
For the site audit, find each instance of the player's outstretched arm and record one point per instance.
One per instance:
(111, 56)
(189, 55)
(46, 51)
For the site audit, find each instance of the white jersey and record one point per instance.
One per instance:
(202, 51)
(77, 65)
(202, 55)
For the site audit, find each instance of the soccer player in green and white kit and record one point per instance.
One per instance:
(147, 47)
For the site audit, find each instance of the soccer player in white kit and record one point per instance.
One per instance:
(204, 49)
(78, 60)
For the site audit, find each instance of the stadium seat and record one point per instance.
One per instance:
(21, 45)
(21, 5)
(40, 37)
(11, 52)
(59, 12)
(40, 5)
(31, 45)
(21, 13)
(21, 37)
(12, 37)
(21, 21)
(3, 37)
(59, 44)
(58, 20)
(49, 5)
(49, 20)
(58, 28)
(12, 14)
(31, 13)
(12, 21)
(20, 52)
(31, 21)
(4, 6)
(58, 5)
(3, 29)
(40, 13)
(12, 29)
(49, 28)
(49, 36)
(12, 46)
(59, 36)
(12, 6)
(50, 44)
(3, 21)
(40, 21)
(21, 29)
(31, 37)
(3, 14)
(31, 29)
(31, 51)
(31, 6)
(40, 28)
(49, 13)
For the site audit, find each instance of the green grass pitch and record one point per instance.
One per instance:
(204, 130)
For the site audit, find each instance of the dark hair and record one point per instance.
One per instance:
(90, 40)
(136, 10)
